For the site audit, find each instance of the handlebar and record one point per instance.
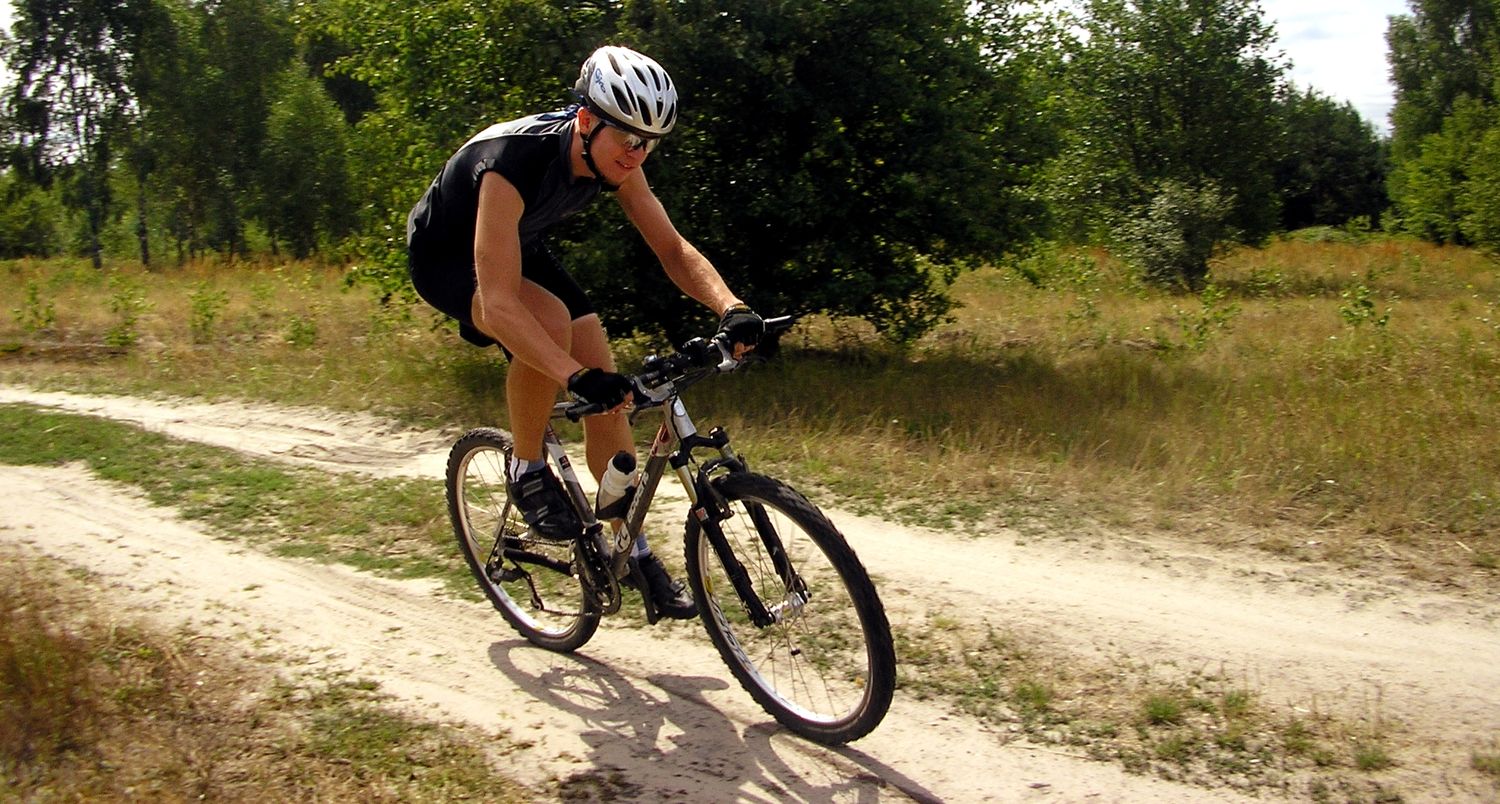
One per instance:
(700, 355)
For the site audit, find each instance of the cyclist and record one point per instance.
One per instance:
(476, 253)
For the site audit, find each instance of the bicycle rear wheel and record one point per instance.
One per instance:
(827, 668)
(530, 581)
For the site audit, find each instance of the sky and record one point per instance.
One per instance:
(1336, 47)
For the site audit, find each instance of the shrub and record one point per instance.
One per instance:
(1174, 235)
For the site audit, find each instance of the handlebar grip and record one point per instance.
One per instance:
(579, 410)
(780, 324)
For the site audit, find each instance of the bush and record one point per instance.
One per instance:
(28, 220)
(1172, 238)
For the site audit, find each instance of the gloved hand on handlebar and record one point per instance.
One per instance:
(595, 386)
(742, 328)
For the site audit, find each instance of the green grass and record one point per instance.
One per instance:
(397, 527)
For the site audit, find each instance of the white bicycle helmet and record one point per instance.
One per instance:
(630, 90)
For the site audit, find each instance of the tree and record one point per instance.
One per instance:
(1171, 96)
(1334, 166)
(819, 168)
(1443, 51)
(1442, 190)
(1445, 59)
(73, 61)
(303, 172)
(28, 218)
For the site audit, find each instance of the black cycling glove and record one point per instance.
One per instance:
(741, 325)
(595, 386)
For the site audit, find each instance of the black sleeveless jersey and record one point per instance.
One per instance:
(532, 154)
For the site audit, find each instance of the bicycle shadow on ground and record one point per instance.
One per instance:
(663, 739)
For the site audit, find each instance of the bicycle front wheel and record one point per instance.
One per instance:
(826, 668)
(530, 581)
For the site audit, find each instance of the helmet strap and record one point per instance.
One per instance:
(588, 156)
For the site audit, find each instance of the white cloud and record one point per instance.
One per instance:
(1338, 48)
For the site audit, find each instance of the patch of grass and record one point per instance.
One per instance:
(1019, 410)
(1163, 709)
(1237, 703)
(1486, 762)
(1371, 756)
(96, 709)
(396, 527)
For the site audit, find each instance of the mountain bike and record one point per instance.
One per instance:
(784, 599)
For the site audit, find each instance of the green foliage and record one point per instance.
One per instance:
(1358, 307)
(35, 315)
(1179, 91)
(1444, 51)
(1163, 709)
(1479, 197)
(1447, 192)
(206, 308)
(72, 101)
(1173, 236)
(29, 218)
(1445, 61)
(1214, 316)
(127, 301)
(303, 170)
(1334, 167)
(855, 178)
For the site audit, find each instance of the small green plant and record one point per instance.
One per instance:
(1487, 763)
(302, 332)
(1032, 697)
(1163, 710)
(34, 315)
(1358, 308)
(1371, 756)
(1215, 316)
(127, 301)
(1176, 748)
(1237, 703)
(207, 306)
(1267, 283)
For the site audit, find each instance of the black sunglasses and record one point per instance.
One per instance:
(633, 141)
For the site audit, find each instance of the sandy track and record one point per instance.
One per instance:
(683, 730)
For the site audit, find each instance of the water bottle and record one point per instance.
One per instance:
(619, 476)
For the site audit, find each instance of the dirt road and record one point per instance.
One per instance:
(653, 715)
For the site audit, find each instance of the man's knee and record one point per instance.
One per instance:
(590, 343)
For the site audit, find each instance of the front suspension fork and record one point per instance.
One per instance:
(710, 508)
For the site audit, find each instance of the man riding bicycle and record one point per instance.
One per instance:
(476, 253)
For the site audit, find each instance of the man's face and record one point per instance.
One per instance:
(617, 152)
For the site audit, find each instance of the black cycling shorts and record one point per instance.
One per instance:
(450, 287)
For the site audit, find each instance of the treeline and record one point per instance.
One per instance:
(848, 157)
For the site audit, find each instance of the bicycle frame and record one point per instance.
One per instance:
(676, 440)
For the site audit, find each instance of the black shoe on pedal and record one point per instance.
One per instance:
(544, 505)
(670, 597)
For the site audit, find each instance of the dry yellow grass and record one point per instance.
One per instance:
(1346, 388)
